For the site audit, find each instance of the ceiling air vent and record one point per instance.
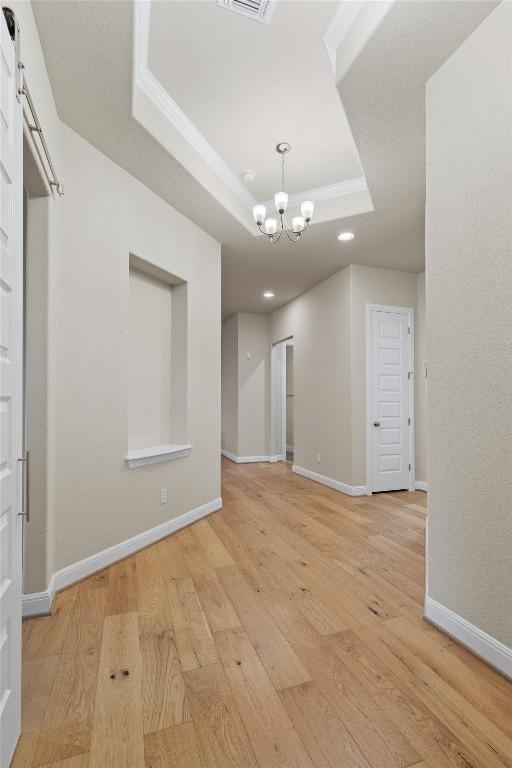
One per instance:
(259, 10)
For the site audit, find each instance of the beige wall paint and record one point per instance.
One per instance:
(328, 326)
(230, 385)
(93, 501)
(420, 389)
(149, 405)
(41, 319)
(370, 286)
(246, 385)
(469, 289)
(91, 376)
(253, 385)
(319, 322)
(36, 381)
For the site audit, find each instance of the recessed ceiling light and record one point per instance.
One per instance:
(344, 236)
(268, 295)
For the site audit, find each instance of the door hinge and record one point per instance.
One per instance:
(409, 421)
(408, 329)
(409, 375)
(409, 467)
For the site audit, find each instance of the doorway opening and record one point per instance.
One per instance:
(282, 419)
(389, 398)
(36, 238)
(289, 401)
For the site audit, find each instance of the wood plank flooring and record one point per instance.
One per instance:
(284, 630)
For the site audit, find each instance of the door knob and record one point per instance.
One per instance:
(376, 423)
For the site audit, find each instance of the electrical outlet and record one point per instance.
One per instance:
(163, 495)
(318, 458)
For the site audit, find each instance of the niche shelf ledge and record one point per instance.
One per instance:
(143, 457)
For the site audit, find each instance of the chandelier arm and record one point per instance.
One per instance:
(290, 235)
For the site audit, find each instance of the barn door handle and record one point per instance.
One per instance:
(26, 476)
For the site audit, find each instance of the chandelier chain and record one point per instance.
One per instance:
(282, 172)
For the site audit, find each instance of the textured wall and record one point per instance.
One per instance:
(328, 327)
(253, 385)
(150, 375)
(105, 215)
(36, 383)
(319, 322)
(469, 289)
(420, 389)
(91, 500)
(370, 285)
(229, 385)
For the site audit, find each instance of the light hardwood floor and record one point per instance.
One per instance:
(284, 630)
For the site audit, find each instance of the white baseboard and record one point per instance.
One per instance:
(250, 459)
(476, 640)
(421, 485)
(350, 490)
(39, 603)
(228, 455)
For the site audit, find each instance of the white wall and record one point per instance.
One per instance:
(246, 385)
(319, 322)
(373, 286)
(93, 500)
(420, 390)
(253, 385)
(149, 406)
(328, 327)
(230, 385)
(469, 290)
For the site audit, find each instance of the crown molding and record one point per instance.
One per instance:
(154, 89)
(340, 26)
(329, 192)
(151, 88)
(349, 31)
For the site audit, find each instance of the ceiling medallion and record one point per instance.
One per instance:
(270, 227)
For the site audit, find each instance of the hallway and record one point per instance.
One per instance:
(284, 630)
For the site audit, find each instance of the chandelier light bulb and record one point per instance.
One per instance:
(307, 208)
(259, 212)
(298, 223)
(276, 228)
(281, 201)
(270, 226)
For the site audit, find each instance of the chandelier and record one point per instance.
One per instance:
(271, 227)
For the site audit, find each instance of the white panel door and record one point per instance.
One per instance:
(11, 356)
(389, 417)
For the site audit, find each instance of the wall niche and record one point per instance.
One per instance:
(157, 391)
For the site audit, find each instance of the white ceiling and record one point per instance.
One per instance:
(246, 86)
(382, 92)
